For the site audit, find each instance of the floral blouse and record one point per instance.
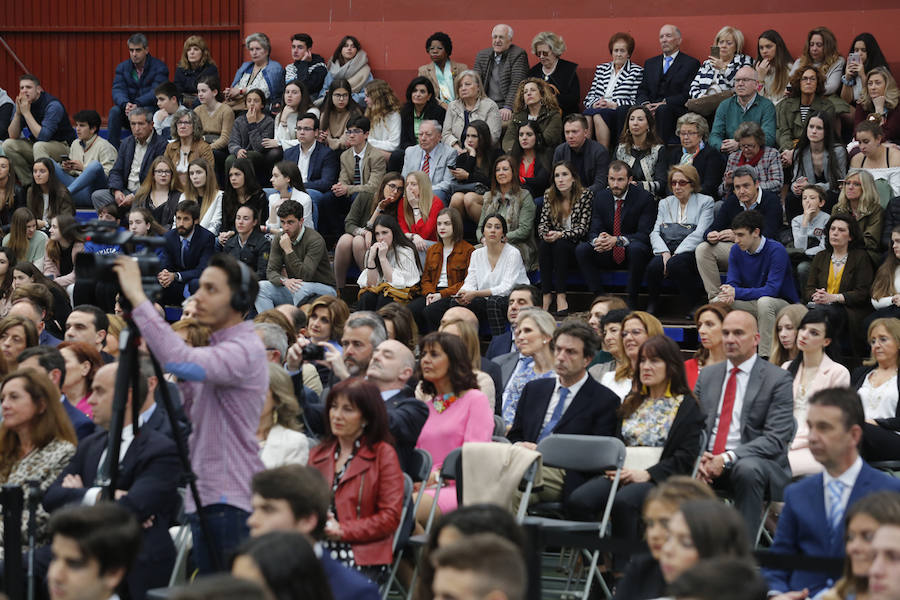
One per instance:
(649, 425)
(579, 217)
(44, 465)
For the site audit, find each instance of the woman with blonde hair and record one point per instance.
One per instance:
(716, 75)
(879, 102)
(383, 111)
(859, 199)
(417, 212)
(560, 74)
(195, 63)
(202, 187)
(533, 332)
(187, 143)
(192, 332)
(878, 387)
(637, 327)
(37, 440)
(535, 103)
(471, 104)
(280, 432)
(116, 325)
(24, 240)
(784, 337)
(160, 191)
(466, 331)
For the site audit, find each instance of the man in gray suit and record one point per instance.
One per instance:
(502, 67)
(749, 418)
(439, 156)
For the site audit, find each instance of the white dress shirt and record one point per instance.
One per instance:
(554, 399)
(848, 478)
(734, 429)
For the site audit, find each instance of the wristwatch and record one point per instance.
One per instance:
(621, 241)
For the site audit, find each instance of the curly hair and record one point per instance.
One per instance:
(383, 101)
(548, 97)
(199, 42)
(798, 75)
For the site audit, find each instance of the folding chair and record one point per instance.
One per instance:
(592, 455)
(183, 542)
(891, 467)
(407, 519)
(419, 470)
(500, 439)
(499, 426)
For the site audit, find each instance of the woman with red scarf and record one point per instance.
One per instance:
(752, 150)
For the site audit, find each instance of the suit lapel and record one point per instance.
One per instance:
(579, 403)
(542, 401)
(751, 392)
(92, 459)
(715, 389)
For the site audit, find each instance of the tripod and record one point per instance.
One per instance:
(127, 377)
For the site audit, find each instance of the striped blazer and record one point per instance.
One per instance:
(708, 76)
(626, 85)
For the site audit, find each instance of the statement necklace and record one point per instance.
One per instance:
(442, 403)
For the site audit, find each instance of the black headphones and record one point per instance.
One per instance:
(240, 299)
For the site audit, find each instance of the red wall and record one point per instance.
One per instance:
(393, 33)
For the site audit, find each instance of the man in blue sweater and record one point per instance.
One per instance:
(760, 280)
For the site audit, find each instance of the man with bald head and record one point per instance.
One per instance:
(749, 403)
(666, 83)
(502, 67)
(745, 105)
(390, 369)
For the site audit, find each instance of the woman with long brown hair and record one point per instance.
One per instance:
(203, 188)
(36, 438)
(510, 200)
(24, 238)
(642, 150)
(12, 195)
(383, 111)
(64, 245)
(886, 285)
(47, 196)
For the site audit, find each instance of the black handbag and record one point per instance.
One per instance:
(675, 233)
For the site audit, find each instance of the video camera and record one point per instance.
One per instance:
(92, 268)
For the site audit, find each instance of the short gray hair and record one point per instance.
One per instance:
(509, 30)
(746, 171)
(273, 337)
(553, 41)
(195, 120)
(138, 39)
(437, 126)
(367, 318)
(751, 129)
(142, 110)
(697, 121)
(261, 39)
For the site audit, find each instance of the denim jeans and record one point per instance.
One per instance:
(227, 527)
(271, 295)
(93, 178)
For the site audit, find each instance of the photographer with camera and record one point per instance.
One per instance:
(223, 387)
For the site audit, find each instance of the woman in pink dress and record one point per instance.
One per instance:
(457, 411)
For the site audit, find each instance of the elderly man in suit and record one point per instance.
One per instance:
(572, 403)
(317, 162)
(502, 67)
(149, 474)
(433, 157)
(749, 406)
(362, 167)
(666, 82)
(812, 522)
(619, 237)
(187, 252)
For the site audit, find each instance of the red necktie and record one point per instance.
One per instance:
(426, 166)
(725, 415)
(618, 251)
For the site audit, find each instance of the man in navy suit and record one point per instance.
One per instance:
(187, 252)
(148, 477)
(297, 498)
(49, 361)
(136, 154)
(812, 522)
(521, 296)
(621, 221)
(572, 402)
(317, 162)
(666, 82)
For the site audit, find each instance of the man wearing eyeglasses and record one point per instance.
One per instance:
(136, 154)
(745, 105)
(318, 164)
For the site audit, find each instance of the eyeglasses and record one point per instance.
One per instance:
(162, 172)
(340, 96)
(633, 332)
(394, 186)
(354, 131)
(185, 123)
(749, 146)
(305, 128)
(744, 80)
(679, 182)
(542, 53)
(683, 133)
(810, 79)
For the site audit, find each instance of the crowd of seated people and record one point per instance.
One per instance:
(734, 178)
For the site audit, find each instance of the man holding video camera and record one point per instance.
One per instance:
(224, 388)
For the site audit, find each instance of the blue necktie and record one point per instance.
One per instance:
(185, 246)
(667, 62)
(557, 414)
(836, 506)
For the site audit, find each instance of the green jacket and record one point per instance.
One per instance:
(308, 261)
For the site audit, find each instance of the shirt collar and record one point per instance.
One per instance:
(362, 153)
(762, 242)
(311, 148)
(388, 394)
(145, 416)
(848, 477)
(299, 236)
(575, 387)
(191, 234)
(749, 104)
(745, 366)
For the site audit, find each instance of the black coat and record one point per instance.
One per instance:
(673, 86)
(565, 79)
(638, 215)
(254, 254)
(710, 167)
(433, 111)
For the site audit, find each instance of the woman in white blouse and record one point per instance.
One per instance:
(615, 84)
(383, 110)
(202, 188)
(886, 285)
(877, 385)
(392, 272)
(281, 441)
(493, 271)
(296, 102)
(288, 184)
